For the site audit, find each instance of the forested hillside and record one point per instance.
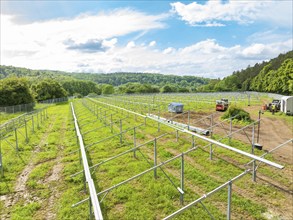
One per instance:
(44, 84)
(275, 76)
(115, 79)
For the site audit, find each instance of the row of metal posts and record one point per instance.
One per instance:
(111, 120)
(43, 115)
(181, 189)
(229, 183)
(182, 169)
(211, 133)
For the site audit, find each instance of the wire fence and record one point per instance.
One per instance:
(53, 101)
(30, 106)
(18, 108)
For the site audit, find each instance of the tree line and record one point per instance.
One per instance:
(274, 76)
(22, 85)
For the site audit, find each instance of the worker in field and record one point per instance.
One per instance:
(273, 109)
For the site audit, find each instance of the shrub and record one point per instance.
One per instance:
(238, 114)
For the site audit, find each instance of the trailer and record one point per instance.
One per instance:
(287, 105)
(175, 107)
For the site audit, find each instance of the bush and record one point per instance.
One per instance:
(15, 91)
(77, 95)
(238, 114)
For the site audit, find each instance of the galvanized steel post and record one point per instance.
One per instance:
(188, 120)
(90, 210)
(120, 131)
(212, 120)
(33, 124)
(192, 144)
(182, 180)
(26, 135)
(252, 151)
(177, 135)
(230, 131)
(134, 142)
(155, 157)
(1, 162)
(111, 123)
(38, 126)
(41, 113)
(211, 151)
(16, 139)
(229, 200)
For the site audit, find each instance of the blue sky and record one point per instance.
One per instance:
(201, 38)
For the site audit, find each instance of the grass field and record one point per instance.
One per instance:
(37, 182)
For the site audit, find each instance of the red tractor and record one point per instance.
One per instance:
(222, 105)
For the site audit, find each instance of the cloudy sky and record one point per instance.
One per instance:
(202, 38)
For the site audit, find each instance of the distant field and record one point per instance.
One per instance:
(37, 181)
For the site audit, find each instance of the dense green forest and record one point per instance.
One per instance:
(46, 84)
(275, 76)
(115, 79)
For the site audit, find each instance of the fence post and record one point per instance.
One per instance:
(211, 151)
(84, 182)
(177, 135)
(25, 127)
(1, 162)
(134, 141)
(212, 120)
(155, 157)
(16, 139)
(229, 200)
(230, 131)
(38, 120)
(252, 151)
(41, 116)
(111, 123)
(90, 210)
(120, 131)
(192, 144)
(33, 124)
(188, 120)
(182, 180)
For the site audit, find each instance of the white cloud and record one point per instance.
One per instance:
(217, 12)
(131, 44)
(206, 58)
(110, 43)
(152, 43)
(50, 39)
(169, 50)
(91, 43)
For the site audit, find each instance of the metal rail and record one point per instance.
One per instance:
(93, 194)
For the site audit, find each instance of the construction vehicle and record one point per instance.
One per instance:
(222, 105)
(276, 103)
